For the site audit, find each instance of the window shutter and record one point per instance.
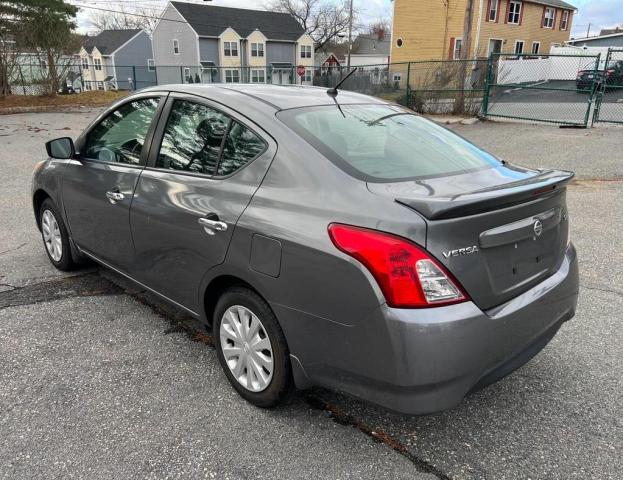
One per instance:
(543, 17)
(498, 13)
(508, 7)
(451, 52)
(489, 9)
(555, 16)
(520, 13)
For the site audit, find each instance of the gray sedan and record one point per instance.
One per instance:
(325, 238)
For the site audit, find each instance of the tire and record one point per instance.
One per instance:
(50, 220)
(260, 388)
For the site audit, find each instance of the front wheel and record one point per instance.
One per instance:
(251, 347)
(55, 236)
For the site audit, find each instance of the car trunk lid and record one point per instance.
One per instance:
(499, 231)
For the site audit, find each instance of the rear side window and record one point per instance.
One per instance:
(241, 146)
(192, 138)
(385, 142)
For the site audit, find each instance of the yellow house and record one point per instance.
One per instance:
(433, 29)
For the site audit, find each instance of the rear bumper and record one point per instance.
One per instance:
(424, 361)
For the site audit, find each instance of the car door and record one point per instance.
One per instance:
(209, 163)
(99, 184)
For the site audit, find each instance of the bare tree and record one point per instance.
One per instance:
(144, 18)
(323, 20)
(381, 27)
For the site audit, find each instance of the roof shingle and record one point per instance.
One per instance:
(211, 21)
(109, 40)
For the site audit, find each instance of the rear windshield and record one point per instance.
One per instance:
(385, 142)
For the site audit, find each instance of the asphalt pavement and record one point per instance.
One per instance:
(100, 380)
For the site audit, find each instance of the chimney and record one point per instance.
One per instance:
(379, 32)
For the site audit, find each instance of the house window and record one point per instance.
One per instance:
(85, 63)
(514, 12)
(257, 76)
(399, 42)
(257, 49)
(176, 46)
(493, 10)
(87, 85)
(98, 63)
(100, 85)
(232, 76)
(396, 77)
(187, 74)
(306, 51)
(536, 48)
(151, 65)
(231, 49)
(564, 20)
(519, 47)
(308, 75)
(548, 17)
(456, 53)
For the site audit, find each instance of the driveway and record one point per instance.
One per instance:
(101, 380)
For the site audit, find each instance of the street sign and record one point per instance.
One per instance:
(300, 70)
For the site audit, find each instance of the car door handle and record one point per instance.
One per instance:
(114, 196)
(211, 225)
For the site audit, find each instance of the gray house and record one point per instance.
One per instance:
(607, 38)
(117, 59)
(204, 43)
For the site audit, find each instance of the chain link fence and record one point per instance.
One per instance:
(609, 107)
(554, 88)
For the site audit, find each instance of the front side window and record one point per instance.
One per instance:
(232, 76)
(85, 63)
(385, 142)
(306, 51)
(151, 65)
(536, 47)
(514, 12)
(231, 49)
(192, 138)
(564, 20)
(257, 49)
(548, 17)
(308, 75)
(241, 146)
(258, 76)
(98, 64)
(176, 46)
(518, 47)
(493, 10)
(119, 138)
(100, 85)
(187, 75)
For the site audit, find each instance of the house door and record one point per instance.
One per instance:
(495, 46)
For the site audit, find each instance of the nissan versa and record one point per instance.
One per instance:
(327, 238)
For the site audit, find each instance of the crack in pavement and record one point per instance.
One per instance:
(602, 289)
(13, 249)
(341, 417)
(95, 284)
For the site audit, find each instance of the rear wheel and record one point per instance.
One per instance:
(55, 236)
(251, 347)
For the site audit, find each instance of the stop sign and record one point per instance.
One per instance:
(300, 70)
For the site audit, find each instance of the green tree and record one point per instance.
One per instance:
(43, 27)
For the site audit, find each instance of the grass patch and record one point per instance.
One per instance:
(79, 99)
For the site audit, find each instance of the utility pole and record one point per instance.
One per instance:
(588, 31)
(466, 42)
(350, 33)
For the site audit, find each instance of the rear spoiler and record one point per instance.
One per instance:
(488, 199)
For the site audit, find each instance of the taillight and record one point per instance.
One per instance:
(609, 73)
(408, 276)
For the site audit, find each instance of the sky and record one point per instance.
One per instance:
(599, 13)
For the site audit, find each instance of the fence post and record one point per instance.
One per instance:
(134, 76)
(594, 100)
(488, 79)
(408, 94)
(181, 74)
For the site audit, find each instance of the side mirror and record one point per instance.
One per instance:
(61, 148)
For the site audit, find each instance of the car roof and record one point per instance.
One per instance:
(279, 97)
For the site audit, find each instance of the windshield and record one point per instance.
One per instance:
(385, 142)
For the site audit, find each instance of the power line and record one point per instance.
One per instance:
(108, 10)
